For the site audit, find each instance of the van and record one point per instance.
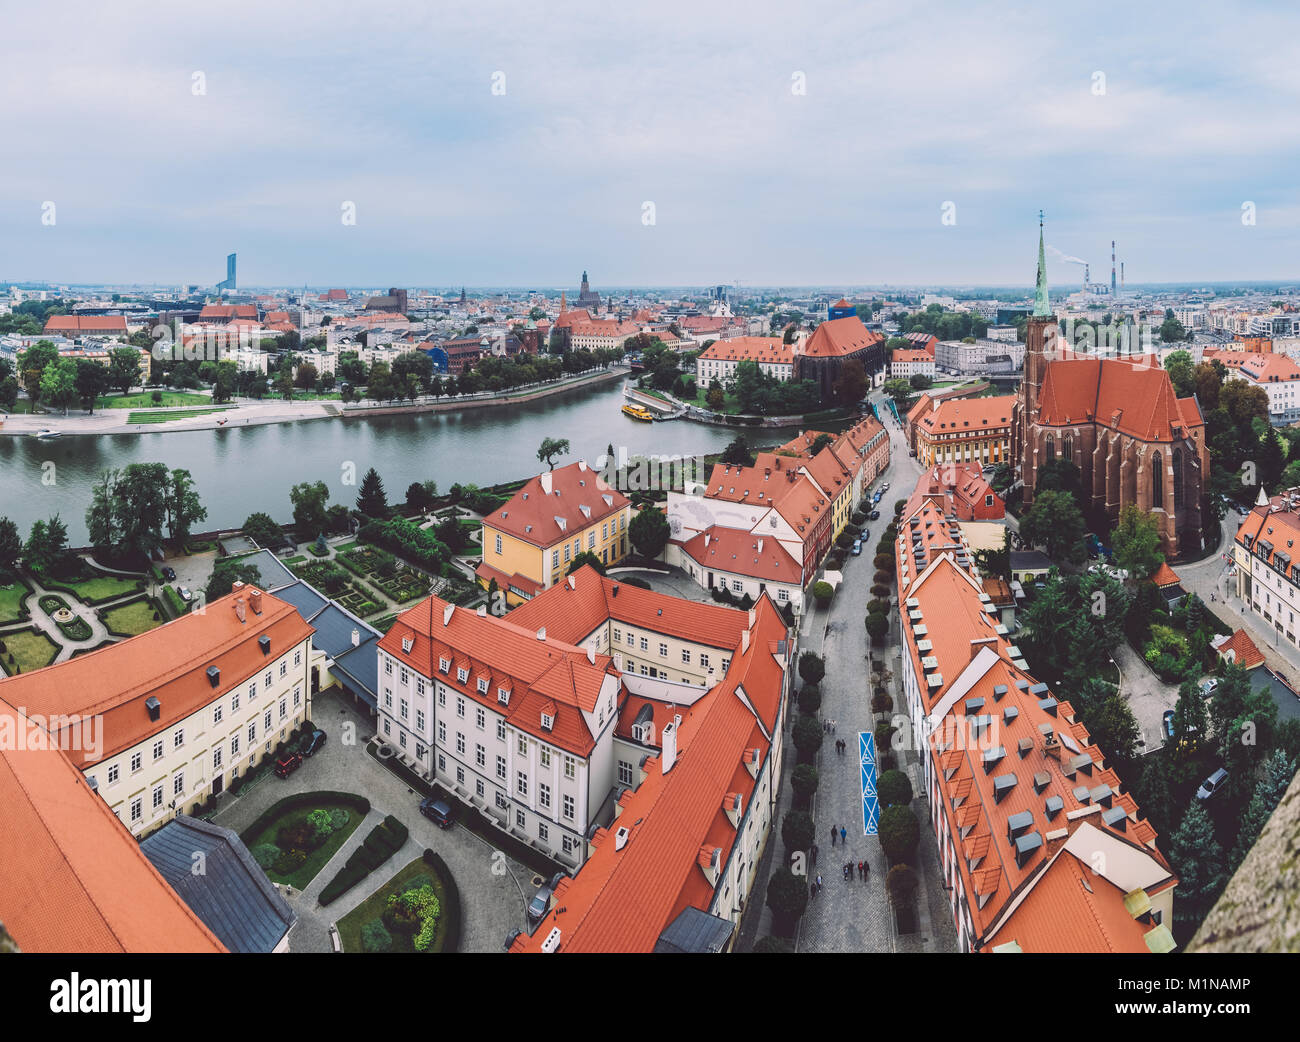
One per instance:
(1212, 784)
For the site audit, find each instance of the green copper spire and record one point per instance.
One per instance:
(1042, 307)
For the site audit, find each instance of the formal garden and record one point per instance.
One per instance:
(132, 617)
(294, 839)
(417, 910)
(22, 651)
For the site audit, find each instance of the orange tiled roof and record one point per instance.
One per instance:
(1270, 368)
(168, 663)
(1164, 575)
(1134, 398)
(72, 878)
(769, 350)
(739, 552)
(1241, 649)
(577, 497)
(968, 415)
(75, 324)
(838, 337)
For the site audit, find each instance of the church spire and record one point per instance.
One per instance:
(1042, 307)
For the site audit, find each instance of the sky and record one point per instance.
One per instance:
(674, 143)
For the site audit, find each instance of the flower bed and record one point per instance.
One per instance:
(415, 911)
(295, 838)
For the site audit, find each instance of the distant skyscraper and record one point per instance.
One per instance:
(229, 281)
(1112, 267)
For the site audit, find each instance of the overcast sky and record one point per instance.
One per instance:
(695, 107)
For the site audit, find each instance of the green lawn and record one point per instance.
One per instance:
(373, 908)
(344, 547)
(164, 417)
(317, 859)
(96, 588)
(132, 619)
(29, 649)
(144, 400)
(12, 592)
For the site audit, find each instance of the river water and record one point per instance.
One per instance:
(238, 471)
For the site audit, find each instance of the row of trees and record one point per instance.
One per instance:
(130, 508)
(44, 553)
(60, 383)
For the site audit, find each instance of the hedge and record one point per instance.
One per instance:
(409, 541)
(384, 840)
(450, 921)
(162, 614)
(304, 799)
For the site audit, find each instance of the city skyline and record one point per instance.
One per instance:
(775, 154)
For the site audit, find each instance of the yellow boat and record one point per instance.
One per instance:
(638, 412)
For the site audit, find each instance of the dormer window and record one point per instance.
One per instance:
(503, 695)
(462, 674)
(548, 721)
(407, 644)
(444, 665)
(482, 685)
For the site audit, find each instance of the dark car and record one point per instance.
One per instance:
(314, 743)
(169, 573)
(436, 811)
(874, 515)
(286, 765)
(539, 905)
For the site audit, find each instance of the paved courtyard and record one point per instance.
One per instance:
(493, 887)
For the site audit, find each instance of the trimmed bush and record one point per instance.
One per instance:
(797, 829)
(450, 922)
(877, 627)
(900, 832)
(884, 562)
(822, 593)
(803, 780)
(807, 738)
(265, 854)
(877, 607)
(883, 578)
(902, 882)
(384, 840)
(886, 761)
(884, 733)
(894, 789)
(882, 703)
(375, 937)
(811, 668)
(879, 591)
(787, 896)
(810, 699)
(844, 541)
(898, 506)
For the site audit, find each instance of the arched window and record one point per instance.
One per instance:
(1178, 477)
(1157, 481)
(1067, 447)
(1051, 447)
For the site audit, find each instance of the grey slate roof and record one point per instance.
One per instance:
(334, 625)
(232, 895)
(694, 931)
(274, 574)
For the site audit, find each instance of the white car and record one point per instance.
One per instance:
(1208, 686)
(184, 591)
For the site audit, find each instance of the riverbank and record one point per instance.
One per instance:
(250, 412)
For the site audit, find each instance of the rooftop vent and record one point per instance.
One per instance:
(1054, 806)
(974, 704)
(1082, 762)
(1010, 713)
(1048, 705)
(1025, 847)
(552, 942)
(1101, 795)
(264, 642)
(214, 675)
(999, 692)
(154, 708)
(1018, 824)
(621, 837)
(1002, 785)
(992, 757)
(1082, 794)
(1041, 780)
(1116, 818)
(1024, 746)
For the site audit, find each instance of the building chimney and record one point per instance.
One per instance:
(240, 609)
(546, 482)
(255, 601)
(760, 545)
(356, 637)
(582, 465)
(236, 586)
(573, 582)
(541, 634)
(446, 614)
(668, 741)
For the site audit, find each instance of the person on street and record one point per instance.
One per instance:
(832, 835)
(844, 833)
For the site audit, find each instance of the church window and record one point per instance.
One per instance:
(1157, 480)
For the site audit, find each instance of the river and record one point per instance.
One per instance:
(240, 471)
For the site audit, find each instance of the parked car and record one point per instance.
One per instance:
(540, 904)
(1208, 686)
(185, 594)
(510, 939)
(1212, 784)
(857, 548)
(169, 573)
(1167, 724)
(314, 743)
(884, 488)
(287, 764)
(911, 453)
(436, 811)
(874, 515)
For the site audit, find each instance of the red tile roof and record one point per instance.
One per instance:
(1269, 368)
(769, 350)
(1164, 575)
(574, 494)
(968, 415)
(838, 337)
(1239, 648)
(72, 878)
(1134, 398)
(78, 324)
(738, 552)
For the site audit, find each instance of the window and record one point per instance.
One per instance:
(252, 690)
(460, 743)
(618, 634)
(267, 679)
(737, 585)
(783, 595)
(419, 720)
(252, 732)
(520, 819)
(401, 739)
(158, 749)
(216, 714)
(498, 542)
(686, 656)
(442, 762)
(284, 709)
(137, 811)
(460, 775)
(388, 666)
(570, 767)
(284, 669)
(726, 663)
(442, 732)
(460, 707)
(297, 658)
(555, 558)
(566, 553)
(503, 695)
(630, 638)
(542, 831)
(404, 676)
(480, 756)
(419, 686)
(544, 795)
(479, 787)
(546, 756)
(178, 739)
(624, 772)
(523, 745)
(501, 730)
(178, 785)
(388, 699)
(501, 767)
(442, 697)
(645, 644)
(135, 762)
(591, 540)
(604, 530)
(419, 751)
(444, 665)
(521, 783)
(462, 675)
(234, 702)
(157, 796)
(568, 807)
(405, 709)
(502, 802)
(297, 697)
(482, 685)
(216, 758)
(663, 650)
(266, 721)
(234, 746)
(480, 717)
(568, 844)
(387, 726)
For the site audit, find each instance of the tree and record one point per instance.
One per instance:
(418, 497)
(920, 382)
(11, 545)
(307, 376)
(807, 737)
(902, 883)
(1113, 729)
(1135, 542)
(851, 383)
(586, 557)
(123, 368)
(803, 781)
(900, 832)
(1269, 790)
(1189, 714)
(224, 381)
(225, 573)
(310, 500)
(1197, 859)
(893, 788)
(900, 389)
(797, 829)
(1181, 369)
(820, 442)
(1059, 475)
(787, 896)
(91, 381)
(184, 507)
(371, 499)
(8, 393)
(1055, 523)
(1171, 331)
(1244, 723)
(263, 530)
(36, 550)
(737, 452)
(811, 667)
(32, 364)
(551, 448)
(649, 531)
(877, 627)
(59, 383)
(715, 399)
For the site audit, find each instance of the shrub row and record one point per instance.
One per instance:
(409, 541)
(304, 799)
(384, 840)
(450, 922)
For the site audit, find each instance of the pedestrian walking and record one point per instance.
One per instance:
(861, 874)
(832, 835)
(819, 880)
(866, 869)
(832, 727)
(812, 892)
(843, 833)
(812, 857)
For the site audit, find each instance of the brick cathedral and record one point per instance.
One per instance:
(1119, 421)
